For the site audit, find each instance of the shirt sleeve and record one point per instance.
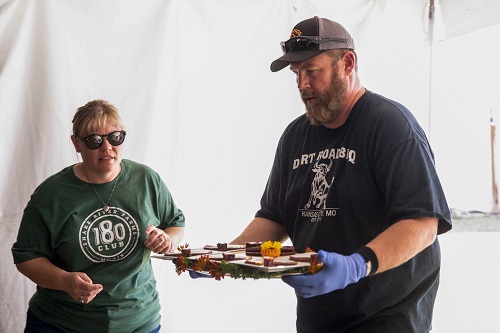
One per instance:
(411, 185)
(270, 202)
(33, 239)
(170, 214)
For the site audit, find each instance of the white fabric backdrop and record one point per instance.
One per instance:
(192, 81)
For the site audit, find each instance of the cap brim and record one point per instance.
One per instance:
(290, 57)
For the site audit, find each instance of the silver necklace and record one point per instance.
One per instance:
(105, 207)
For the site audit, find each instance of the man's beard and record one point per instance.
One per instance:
(328, 106)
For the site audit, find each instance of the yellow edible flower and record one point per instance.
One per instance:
(271, 245)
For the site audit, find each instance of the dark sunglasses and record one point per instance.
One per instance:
(303, 42)
(94, 141)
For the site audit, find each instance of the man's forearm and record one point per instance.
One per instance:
(403, 241)
(261, 230)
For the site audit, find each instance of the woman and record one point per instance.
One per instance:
(87, 233)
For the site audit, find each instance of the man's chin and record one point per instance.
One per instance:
(312, 119)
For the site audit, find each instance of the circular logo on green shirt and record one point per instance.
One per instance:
(108, 236)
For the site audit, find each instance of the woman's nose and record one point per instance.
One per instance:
(105, 144)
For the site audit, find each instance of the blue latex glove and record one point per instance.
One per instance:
(338, 271)
(196, 275)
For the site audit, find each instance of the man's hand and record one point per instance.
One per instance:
(196, 275)
(338, 271)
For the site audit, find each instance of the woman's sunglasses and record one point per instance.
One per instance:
(94, 141)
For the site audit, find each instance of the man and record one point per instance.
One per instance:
(354, 179)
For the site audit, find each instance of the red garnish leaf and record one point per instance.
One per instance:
(216, 271)
(202, 264)
(180, 265)
(180, 247)
(315, 266)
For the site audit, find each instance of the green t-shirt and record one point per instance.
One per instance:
(64, 222)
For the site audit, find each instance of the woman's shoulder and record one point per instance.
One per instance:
(56, 181)
(134, 167)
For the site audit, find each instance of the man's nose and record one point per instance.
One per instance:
(302, 82)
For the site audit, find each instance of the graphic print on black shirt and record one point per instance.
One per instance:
(324, 175)
(320, 185)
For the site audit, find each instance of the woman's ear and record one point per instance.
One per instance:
(75, 143)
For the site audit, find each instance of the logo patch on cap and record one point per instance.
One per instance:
(295, 33)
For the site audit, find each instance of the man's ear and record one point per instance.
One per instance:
(349, 62)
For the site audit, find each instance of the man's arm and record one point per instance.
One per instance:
(392, 248)
(258, 230)
(261, 230)
(402, 241)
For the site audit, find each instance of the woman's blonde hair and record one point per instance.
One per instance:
(94, 115)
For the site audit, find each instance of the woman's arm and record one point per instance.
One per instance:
(163, 240)
(176, 235)
(45, 274)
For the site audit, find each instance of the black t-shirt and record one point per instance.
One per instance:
(337, 189)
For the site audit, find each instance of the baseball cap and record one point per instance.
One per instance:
(310, 38)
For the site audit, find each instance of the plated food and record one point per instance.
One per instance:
(244, 261)
(224, 247)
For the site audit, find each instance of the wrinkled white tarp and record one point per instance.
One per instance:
(193, 84)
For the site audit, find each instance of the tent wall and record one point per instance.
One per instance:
(192, 81)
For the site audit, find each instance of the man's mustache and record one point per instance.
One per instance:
(306, 95)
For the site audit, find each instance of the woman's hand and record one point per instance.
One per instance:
(80, 287)
(45, 274)
(158, 240)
